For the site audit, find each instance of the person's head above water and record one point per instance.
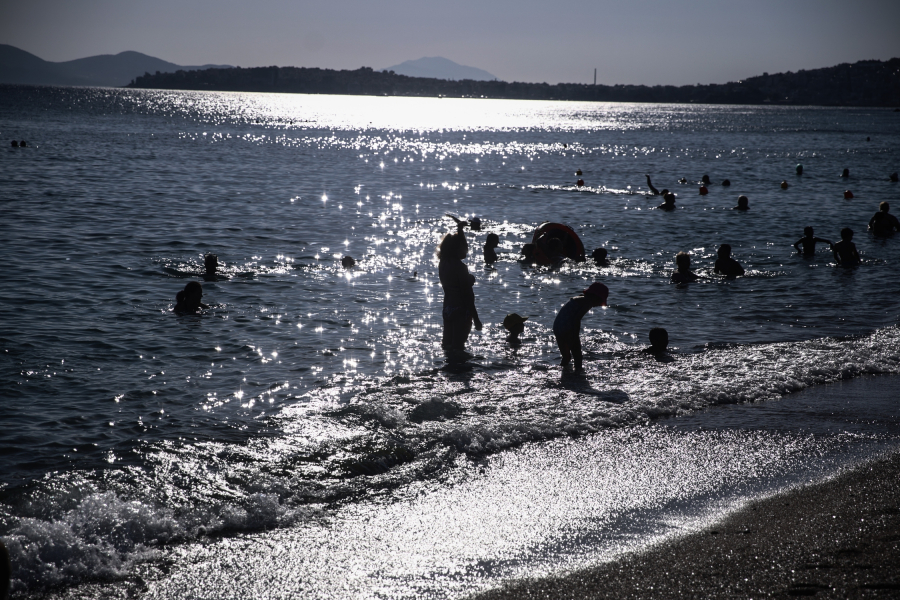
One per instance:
(347, 262)
(743, 203)
(683, 261)
(211, 262)
(475, 224)
(15, 144)
(884, 207)
(808, 231)
(659, 339)
(669, 198)
(598, 293)
(599, 254)
(894, 176)
(846, 234)
(514, 323)
(492, 241)
(726, 182)
(724, 251)
(845, 173)
(705, 179)
(453, 245)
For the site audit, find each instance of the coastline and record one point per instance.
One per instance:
(838, 538)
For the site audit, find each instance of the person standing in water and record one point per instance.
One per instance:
(459, 310)
(683, 273)
(490, 248)
(845, 252)
(884, 223)
(808, 241)
(567, 326)
(725, 265)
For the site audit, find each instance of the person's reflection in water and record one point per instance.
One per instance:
(459, 298)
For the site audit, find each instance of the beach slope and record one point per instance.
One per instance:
(836, 539)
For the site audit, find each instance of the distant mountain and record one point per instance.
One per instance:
(440, 68)
(19, 66)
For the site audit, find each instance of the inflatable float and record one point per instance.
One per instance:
(572, 246)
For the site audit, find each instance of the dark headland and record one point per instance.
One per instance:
(865, 83)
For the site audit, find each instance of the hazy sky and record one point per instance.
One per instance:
(636, 41)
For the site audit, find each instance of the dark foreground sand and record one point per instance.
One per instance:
(838, 539)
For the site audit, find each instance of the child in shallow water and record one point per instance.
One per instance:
(515, 325)
(845, 250)
(490, 245)
(808, 241)
(659, 341)
(567, 325)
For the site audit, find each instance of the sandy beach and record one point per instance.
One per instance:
(836, 539)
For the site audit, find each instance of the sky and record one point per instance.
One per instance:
(663, 42)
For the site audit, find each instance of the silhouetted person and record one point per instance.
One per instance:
(599, 255)
(683, 273)
(743, 203)
(528, 253)
(490, 245)
(578, 172)
(808, 241)
(15, 144)
(659, 341)
(725, 265)
(668, 203)
(726, 182)
(211, 263)
(5, 572)
(845, 250)
(799, 169)
(884, 223)
(682, 180)
(459, 311)
(515, 325)
(705, 180)
(567, 325)
(188, 300)
(348, 262)
(475, 224)
(895, 177)
(845, 173)
(22, 144)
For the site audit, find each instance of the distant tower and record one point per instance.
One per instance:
(595, 76)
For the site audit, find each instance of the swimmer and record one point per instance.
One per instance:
(705, 180)
(669, 203)
(348, 262)
(683, 273)
(799, 169)
(845, 173)
(22, 144)
(555, 252)
(211, 263)
(845, 252)
(895, 177)
(459, 312)
(727, 266)
(743, 204)
(808, 241)
(567, 325)
(653, 190)
(475, 224)
(578, 172)
(682, 180)
(490, 254)
(515, 325)
(599, 256)
(659, 341)
(883, 223)
(15, 144)
(528, 253)
(188, 300)
(726, 182)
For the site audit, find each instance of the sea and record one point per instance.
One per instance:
(305, 436)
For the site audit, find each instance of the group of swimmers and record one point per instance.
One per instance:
(460, 314)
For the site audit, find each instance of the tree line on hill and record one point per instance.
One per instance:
(865, 83)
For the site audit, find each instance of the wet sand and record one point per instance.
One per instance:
(836, 539)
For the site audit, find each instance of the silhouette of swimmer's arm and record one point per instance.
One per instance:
(653, 190)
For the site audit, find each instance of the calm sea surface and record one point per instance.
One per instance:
(310, 408)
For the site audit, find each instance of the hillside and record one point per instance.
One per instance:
(19, 66)
(440, 68)
(865, 83)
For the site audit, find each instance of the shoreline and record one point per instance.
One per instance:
(838, 538)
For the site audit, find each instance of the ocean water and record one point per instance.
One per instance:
(308, 426)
